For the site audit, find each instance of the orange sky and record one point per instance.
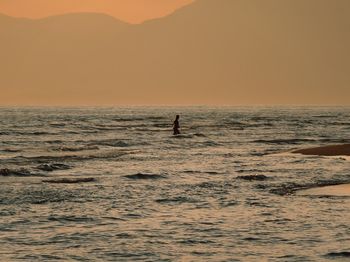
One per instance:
(133, 11)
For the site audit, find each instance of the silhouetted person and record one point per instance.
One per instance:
(176, 126)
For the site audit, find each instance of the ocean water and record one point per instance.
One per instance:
(224, 190)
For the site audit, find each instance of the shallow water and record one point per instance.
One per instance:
(222, 191)
(337, 190)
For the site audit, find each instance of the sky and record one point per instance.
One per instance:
(132, 11)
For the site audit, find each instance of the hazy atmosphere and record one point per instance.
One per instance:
(208, 52)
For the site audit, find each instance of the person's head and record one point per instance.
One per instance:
(177, 117)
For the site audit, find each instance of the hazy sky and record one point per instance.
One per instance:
(133, 11)
(229, 52)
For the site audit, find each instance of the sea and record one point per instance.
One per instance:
(114, 184)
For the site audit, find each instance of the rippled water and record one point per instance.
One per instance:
(113, 184)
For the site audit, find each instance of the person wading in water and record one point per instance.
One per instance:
(176, 126)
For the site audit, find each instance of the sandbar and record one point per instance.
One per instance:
(332, 150)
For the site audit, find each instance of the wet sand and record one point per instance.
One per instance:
(337, 190)
(333, 150)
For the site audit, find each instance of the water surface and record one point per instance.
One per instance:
(222, 191)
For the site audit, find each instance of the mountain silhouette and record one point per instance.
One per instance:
(212, 51)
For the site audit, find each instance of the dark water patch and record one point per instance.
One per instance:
(18, 173)
(4, 213)
(109, 142)
(65, 158)
(176, 200)
(199, 135)
(292, 258)
(130, 119)
(325, 116)
(70, 180)
(254, 170)
(39, 195)
(252, 239)
(201, 172)
(124, 235)
(202, 253)
(257, 204)
(138, 118)
(131, 256)
(195, 241)
(229, 203)
(45, 159)
(284, 141)
(211, 172)
(57, 124)
(211, 143)
(341, 254)
(291, 188)
(133, 215)
(191, 171)
(334, 140)
(143, 176)
(35, 133)
(106, 128)
(70, 219)
(43, 257)
(114, 218)
(279, 221)
(182, 136)
(76, 149)
(9, 150)
(53, 167)
(207, 185)
(213, 188)
(257, 154)
(54, 142)
(253, 177)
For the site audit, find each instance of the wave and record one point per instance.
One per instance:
(199, 135)
(338, 254)
(144, 176)
(10, 150)
(44, 159)
(253, 177)
(70, 180)
(70, 219)
(178, 200)
(292, 188)
(182, 136)
(131, 119)
(254, 170)
(76, 149)
(53, 167)
(109, 142)
(40, 195)
(283, 141)
(18, 173)
(201, 172)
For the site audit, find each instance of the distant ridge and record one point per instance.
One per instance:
(211, 51)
